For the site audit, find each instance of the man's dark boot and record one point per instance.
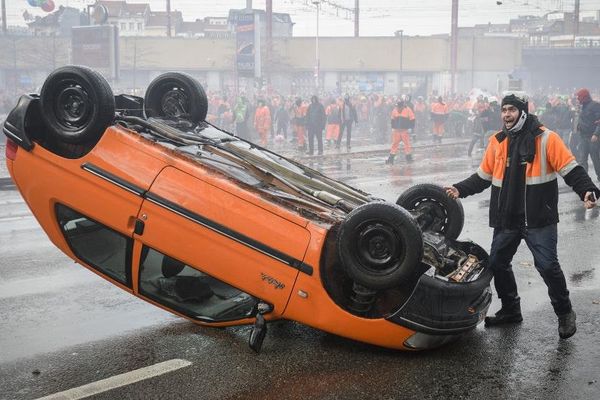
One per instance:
(390, 159)
(506, 315)
(566, 325)
(409, 158)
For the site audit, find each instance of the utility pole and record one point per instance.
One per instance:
(269, 6)
(317, 60)
(168, 18)
(401, 83)
(4, 17)
(356, 19)
(453, 45)
(576, 19)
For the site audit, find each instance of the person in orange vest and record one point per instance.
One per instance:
(334, 120)
(439, 116)
(262, 122)
(402, 119)
(299, 122)
(521, 163)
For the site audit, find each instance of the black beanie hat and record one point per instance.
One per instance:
(519, 102)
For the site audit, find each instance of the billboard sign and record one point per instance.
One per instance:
(245, 49)
(97, 47)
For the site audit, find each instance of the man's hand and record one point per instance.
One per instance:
(452, 192)
(594, 138)
(589, 201)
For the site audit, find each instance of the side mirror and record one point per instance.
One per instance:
(259, 330)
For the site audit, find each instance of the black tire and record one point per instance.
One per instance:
(433, 209)
(77, 105)
(176, 95)
(380, 246)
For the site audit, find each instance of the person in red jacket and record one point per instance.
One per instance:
(521, 163)
(403, 119)
(262, 122)
(439, 116)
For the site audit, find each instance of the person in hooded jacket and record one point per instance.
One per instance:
(315, 124)
(521, 163)
(349, 117)
(588, 127)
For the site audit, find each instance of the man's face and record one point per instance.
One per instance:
(510, 114)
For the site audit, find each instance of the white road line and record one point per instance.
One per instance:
(119, 380)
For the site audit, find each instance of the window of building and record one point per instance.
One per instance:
(123, 26)
(97, 245)
(139, 26)
(184, 289)
(131, 26)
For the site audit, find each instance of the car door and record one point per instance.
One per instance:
(199, 238)
(88, 206)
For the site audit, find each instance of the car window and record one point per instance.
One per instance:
(182, 288)
(97, 245)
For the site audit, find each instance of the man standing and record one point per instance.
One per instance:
(403, 119)
(334, 119)
(588, 127)
(521, 163)
(299, 123)
(420, 114)
(240, 113)
(282, 120)
(315, 123)
(349, 117)
(439, 115)
(262, 122)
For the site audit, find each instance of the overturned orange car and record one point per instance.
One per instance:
(151, 197)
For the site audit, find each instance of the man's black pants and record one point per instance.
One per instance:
(542, 243)
(586, 147)
(348, 126)
(312, 134)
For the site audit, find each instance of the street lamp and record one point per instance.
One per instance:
(401, 34)
(317, 66)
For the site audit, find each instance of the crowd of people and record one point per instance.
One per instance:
(313, 124)
(333, 122)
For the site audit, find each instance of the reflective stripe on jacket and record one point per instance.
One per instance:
(552, 157)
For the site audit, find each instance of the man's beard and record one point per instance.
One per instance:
(519, 123)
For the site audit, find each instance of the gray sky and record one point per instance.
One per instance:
(378, 17)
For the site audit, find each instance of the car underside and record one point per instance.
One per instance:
(378, 262)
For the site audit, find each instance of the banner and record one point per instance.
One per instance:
(245, 49)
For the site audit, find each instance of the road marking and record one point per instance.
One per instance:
(117, 381)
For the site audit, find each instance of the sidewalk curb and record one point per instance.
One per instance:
(383, 151)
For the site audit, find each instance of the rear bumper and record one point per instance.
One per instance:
(437, 307)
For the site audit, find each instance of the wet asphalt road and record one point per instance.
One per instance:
(63, 327)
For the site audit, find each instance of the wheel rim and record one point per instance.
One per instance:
(72, 108)
(430, 215)
(175, 103)
(378, 247)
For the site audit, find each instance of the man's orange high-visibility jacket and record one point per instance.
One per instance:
(551, 157)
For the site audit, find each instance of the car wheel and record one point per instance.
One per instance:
(77, 105)
(176, 95)
(380, 246)
(433, 209)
